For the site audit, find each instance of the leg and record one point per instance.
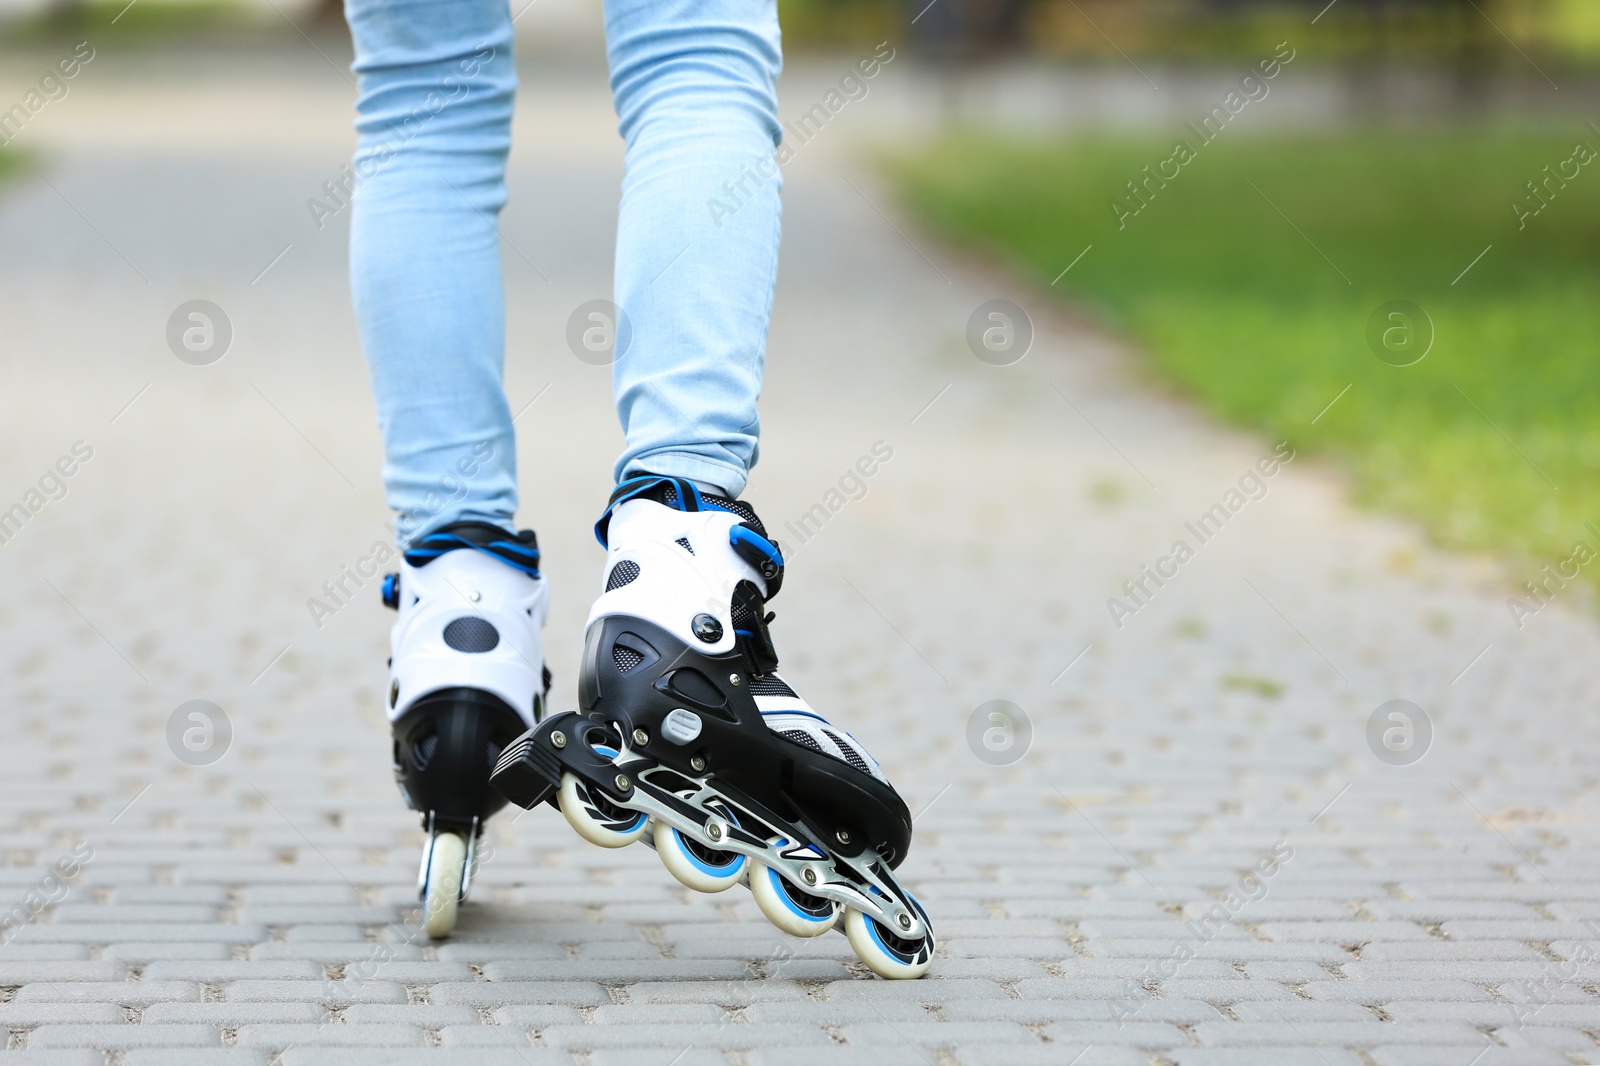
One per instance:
(466, 669)
(434, 119)
(697, 236)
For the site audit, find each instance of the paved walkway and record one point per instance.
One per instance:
(1191, 854)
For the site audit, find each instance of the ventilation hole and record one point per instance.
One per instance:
(471, 635)
(625, 658)
(683, 542)
(422, 751)
(621, 574)
(802, 738)
(851, 755)
(770, 686)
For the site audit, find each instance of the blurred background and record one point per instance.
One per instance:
(1397, 143)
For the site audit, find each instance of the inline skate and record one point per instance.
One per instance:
(466, 677)
(687, 737)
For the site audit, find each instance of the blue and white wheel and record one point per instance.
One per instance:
(885, 953)
(597, 819)
(788, 906)
(695, 865)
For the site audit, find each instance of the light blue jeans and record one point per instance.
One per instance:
(697, 241)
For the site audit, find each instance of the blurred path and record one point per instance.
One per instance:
(1094, 893)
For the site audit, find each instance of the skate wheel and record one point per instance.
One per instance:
(597, 819)
(694, 864)
(789, 907)
(886, 954)
(441, 894)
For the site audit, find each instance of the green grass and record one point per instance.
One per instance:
(1265, 325)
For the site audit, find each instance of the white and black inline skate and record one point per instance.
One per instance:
(466, 678)
(688, 739)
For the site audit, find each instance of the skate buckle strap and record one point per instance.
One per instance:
(750, 629)
(760, 553)
(678, 493)
(519, 551)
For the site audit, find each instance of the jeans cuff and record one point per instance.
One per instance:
(728, 478)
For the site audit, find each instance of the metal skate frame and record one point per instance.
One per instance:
(467, 870)
(863, 882)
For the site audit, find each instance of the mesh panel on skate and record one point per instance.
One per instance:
(625, 658)
(683, 542)
(802, 738)
(472, 635)
(770, 686)
(424, 749)
(851, 755)
(621, 574)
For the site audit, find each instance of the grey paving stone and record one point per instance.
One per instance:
(128, 992)
(316, 992)
(1345, 1034)
(31, 1057)
(1361, 991)
(26, 1015)
(495, 993)
(1493, 1056)
(593, 1037)
(233, 1056)
(1051, 1055)
(322, 1056)
(282, 1035)
(1274, 1056)
(659, 1057)
(903, 1055)
(231, 1014)
(124, 1036)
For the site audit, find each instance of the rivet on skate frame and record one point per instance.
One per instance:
(714, 831)
(809, 876)
(558, 740)
(905, 920)
(622, 783)
(733, 679)
(640, 737)
(475, 596)
(843, 835)
(697, 764)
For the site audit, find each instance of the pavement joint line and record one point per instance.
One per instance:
(1107, 839)
(302, 835)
